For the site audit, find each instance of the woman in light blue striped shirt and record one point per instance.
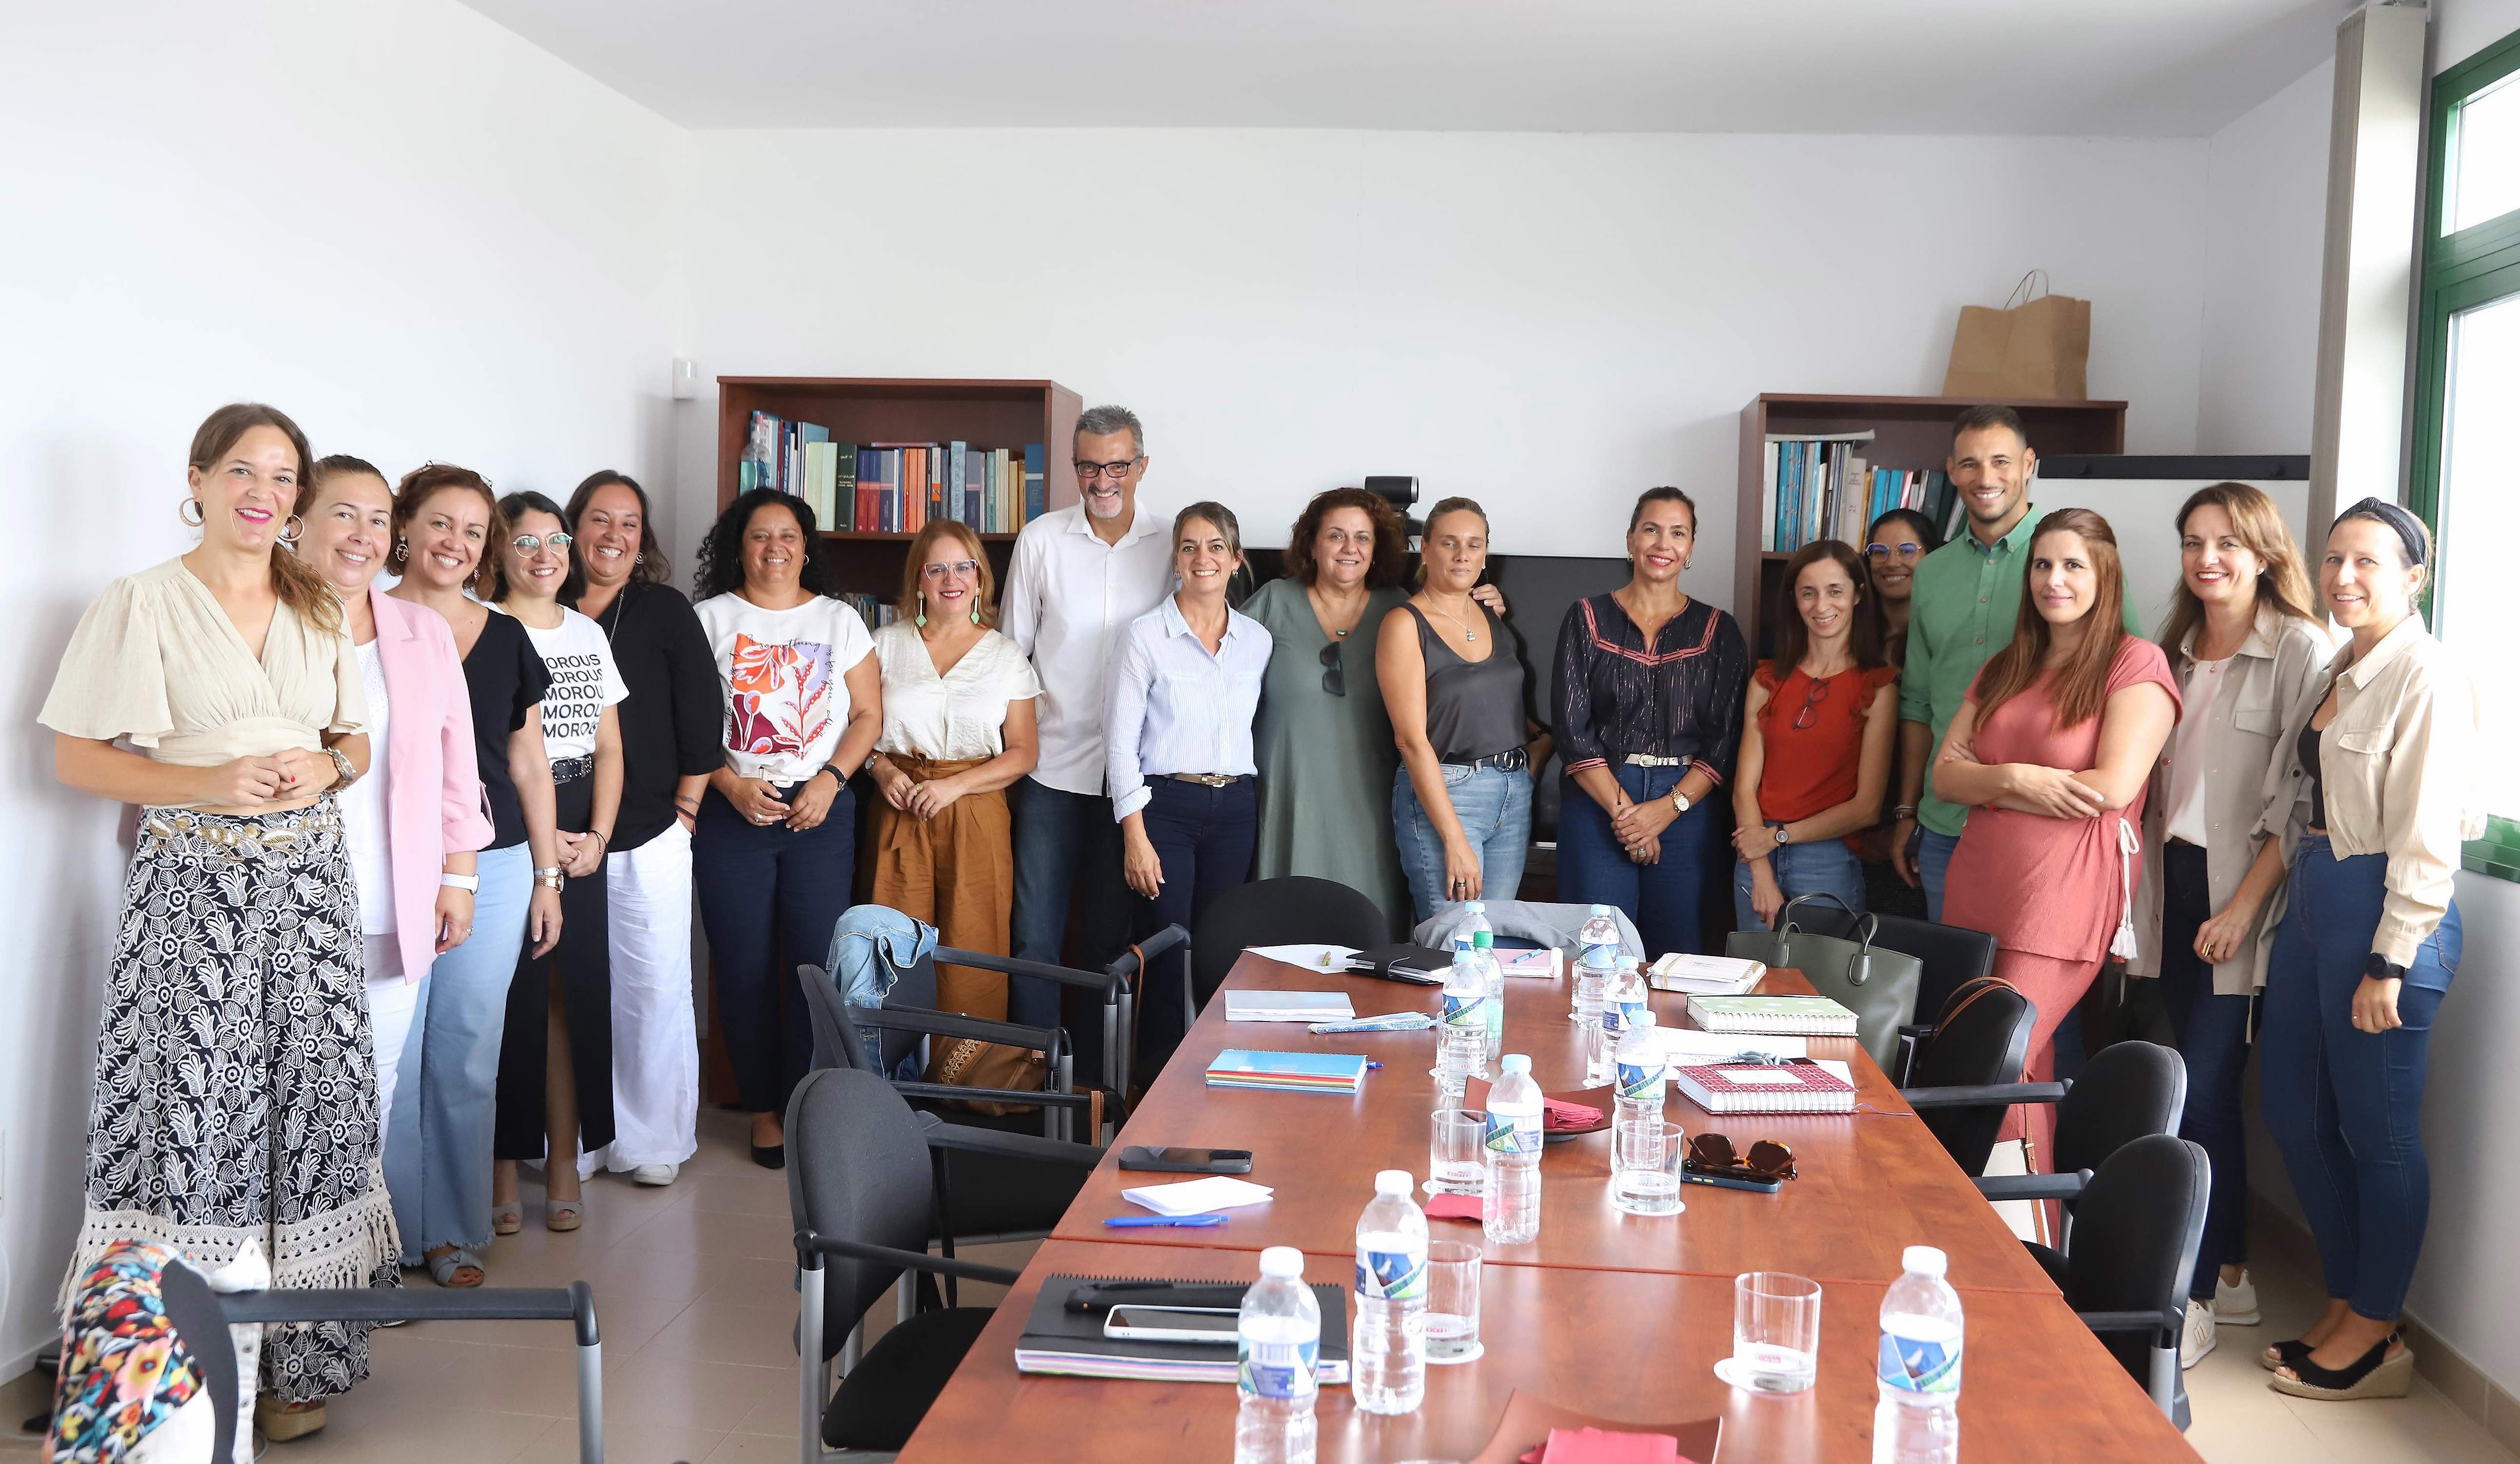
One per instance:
(1185, 688)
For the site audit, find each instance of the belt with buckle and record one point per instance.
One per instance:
(1649, 759)
(570, 769)
(1207, 780)
(1510, 761)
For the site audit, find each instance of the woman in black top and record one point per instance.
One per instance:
(437, 1147)
(1649, 715)
(669, 747)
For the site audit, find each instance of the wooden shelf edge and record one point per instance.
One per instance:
(871, 536)
(1823, 399)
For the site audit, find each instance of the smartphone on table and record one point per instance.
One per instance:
(1186, 1161)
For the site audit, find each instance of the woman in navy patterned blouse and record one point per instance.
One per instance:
(1649, 711)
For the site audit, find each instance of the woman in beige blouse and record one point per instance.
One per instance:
(236, 1099)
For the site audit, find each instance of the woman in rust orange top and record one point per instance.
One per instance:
(1817, 733)
(2051, 749)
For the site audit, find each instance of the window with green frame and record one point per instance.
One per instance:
(2467, 473)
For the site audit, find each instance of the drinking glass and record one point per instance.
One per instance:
(1648, 1181)
(1459, 1153)
(1776, 1333)
(1453, 1302)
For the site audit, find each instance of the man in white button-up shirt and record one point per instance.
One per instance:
(1080, 575)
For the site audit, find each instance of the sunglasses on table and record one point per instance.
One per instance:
(1713, 1154)
(527, 543)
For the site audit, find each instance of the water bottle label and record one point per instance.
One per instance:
(1915, 1366)
(1603, 957)
(1507, 1135)
(1277, 1369)
(1631, 1013)
(1613, 1020)
(1465, 1011)
(1391, 1275)
(1495, 1017)
(1642, 1081)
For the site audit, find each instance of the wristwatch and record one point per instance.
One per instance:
(471, 881)
(839, 778)
(550, 879)
(341, 765)
(2379, 968)
(1782, 838)
(1679, 802)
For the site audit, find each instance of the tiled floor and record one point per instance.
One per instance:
(694, 1285)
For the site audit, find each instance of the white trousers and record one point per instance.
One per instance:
(655, 1045)
(391, 1000)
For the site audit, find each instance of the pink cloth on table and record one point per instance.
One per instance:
(1452, 1207)
(1601, 1447)
(1557, 1113)
(2050, 887)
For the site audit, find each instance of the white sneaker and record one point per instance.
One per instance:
(656, 1175)
(2196, 1337)
(2236, 1306)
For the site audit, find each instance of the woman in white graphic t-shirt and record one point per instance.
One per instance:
(555, 1098)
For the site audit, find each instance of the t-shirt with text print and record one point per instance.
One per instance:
(583, 682)
(783, 676)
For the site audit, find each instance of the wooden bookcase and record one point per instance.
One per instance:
(903, 409)
(1910, 434)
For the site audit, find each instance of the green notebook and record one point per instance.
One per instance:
(1803, 1016)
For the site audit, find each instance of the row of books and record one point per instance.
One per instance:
(1821, 488)
(893, 487)
(876, 612)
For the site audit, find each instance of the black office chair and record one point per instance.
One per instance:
(2131, 1090)
(1981, 1037)
(1296, 909)
(202, 1317)
(860, 1191)
(2124, 1271)
(1951, 956)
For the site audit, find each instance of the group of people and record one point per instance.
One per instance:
(411, 895)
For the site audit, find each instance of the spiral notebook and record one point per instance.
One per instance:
(1062, 1342)
(1795, 1085)
(1797, 1015)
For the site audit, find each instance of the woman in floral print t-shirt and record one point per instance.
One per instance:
(775, 850)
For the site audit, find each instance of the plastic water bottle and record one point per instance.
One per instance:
(1511, 1208)
(1279, 1337)
(1483, 940)
(1640, 1181)
(1919, 1419)
(1462, 1028)
(1387, 1355)
(1622, 1002)
(1596, 956)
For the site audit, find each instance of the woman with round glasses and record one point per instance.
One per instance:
(958, 728)
(555, 1062)
(1817, 734)
(1893, 547)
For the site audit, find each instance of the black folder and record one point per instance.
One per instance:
(1058, 1338)
(1408, 961)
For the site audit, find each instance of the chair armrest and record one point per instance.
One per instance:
(1985, 1094)
(1151, 948)
(574, 1303)
(972, 1140)
(812, 1248)
(1038, 969)
(2034, 1186)
(1028, 1096)
(956, 1025)
(2130, 1321)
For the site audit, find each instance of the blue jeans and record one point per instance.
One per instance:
(2346, 1107)
(1666, 898)
(1064, 841)
(1204, 838)
(1828, 867)
(2213, 1035)
(761, 890)
(438, 1144)
(1494, 807)
(1933, 861)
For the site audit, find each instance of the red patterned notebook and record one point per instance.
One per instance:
(1795, 1085)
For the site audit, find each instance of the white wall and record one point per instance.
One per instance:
(2265, 210)
(414, 232)
(2463, 28)
(1547, 322)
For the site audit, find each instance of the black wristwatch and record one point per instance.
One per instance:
(839, 779)
(2379, 968)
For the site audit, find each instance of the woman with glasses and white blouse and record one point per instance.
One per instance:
(1185, 688)
(958, 728)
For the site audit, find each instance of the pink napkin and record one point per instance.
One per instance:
(1600, 1446)
(1557, 1113)
(1453, 1208)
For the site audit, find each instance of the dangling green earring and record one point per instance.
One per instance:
(976, 614)
(922, 622)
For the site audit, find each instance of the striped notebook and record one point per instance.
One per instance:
(1300, 1071)
(1794, 1016)
(1071, 1343)
(1797, 1086)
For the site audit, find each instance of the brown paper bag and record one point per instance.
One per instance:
(2036, 347)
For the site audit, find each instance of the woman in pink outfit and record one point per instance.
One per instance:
(2051, 750)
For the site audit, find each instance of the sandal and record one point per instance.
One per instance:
(508, 1218)
(444, 1265)
(565, 1216)
(281, 1421)
(2284, 1354)
(2377, 1373)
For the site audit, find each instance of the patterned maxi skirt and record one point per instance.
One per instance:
(236, 1093)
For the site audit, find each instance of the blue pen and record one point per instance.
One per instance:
(1370, 1065)
(1156, 1221)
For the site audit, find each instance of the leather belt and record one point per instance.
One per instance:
(1510, 761)
(1207, 780)
(570, 769)
(1649, 759)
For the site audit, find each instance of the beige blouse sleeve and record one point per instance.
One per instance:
(113, 677)
(349, 693)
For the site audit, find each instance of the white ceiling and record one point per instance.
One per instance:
(2071, 67)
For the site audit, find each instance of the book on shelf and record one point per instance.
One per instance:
(892, 487)
(876, 612)
(1820, 485)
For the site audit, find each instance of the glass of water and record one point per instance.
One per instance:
(1453, 1302)
(1776, 1333)
(1648, 1183)
(1458, 1159)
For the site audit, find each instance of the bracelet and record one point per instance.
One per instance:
(1904, 810)
(471, 881)
(551, 873)
(552, 881)
(600, 834)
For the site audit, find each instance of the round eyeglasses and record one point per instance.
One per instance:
(1880, 553)
(529, 543)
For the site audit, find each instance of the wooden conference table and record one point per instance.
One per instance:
(1611, 1315)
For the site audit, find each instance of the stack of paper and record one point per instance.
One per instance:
(1300, 1071)
(1198, 1196)
(1812, 1016)
(1287, 1006)
(1711, 975)
(1314, 957)
(1689, 1045)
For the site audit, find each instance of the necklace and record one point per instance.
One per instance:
(1322, 615)
(611, 619)
(1468, 634)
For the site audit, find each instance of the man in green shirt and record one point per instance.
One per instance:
(1961, 612)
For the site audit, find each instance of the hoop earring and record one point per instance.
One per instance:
(196, 518)
(289, 538)
(402, 551)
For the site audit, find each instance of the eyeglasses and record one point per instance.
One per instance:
(1087, 472)
(1881, 554)
(1333, 671)
(959, 567)
(1809, 716)
(526, 543)
(1712, 1153)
